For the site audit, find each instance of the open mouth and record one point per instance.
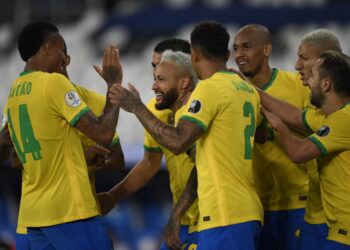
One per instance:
(159, 96)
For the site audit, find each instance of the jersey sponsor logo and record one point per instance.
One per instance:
(195, 106)
(72, 99)
(206, 218)
(323, 131)
(342, 231)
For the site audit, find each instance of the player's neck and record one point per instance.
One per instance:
(263, 77)
(35, 64)
(209, 68)
(334, 103)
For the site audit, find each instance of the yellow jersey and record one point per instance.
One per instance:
(178, 166)
(333, 140)
(226, 108)
(314, 213)
(42, 110)
(281, 184)
(96, 102)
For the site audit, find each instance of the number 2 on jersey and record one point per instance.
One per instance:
(30, 143)
(248, 110)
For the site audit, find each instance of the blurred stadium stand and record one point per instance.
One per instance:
(136, 26)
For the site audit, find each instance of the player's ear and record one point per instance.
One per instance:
(195, 54)
(267, 49)
(185, 82)
(228, 55)
(47, 48)
(326, 84)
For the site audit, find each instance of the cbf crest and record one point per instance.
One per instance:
(72, 99)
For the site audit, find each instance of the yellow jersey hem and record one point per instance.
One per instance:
(61, 221)
(213, 224)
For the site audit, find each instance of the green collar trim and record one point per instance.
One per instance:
(26, 72)
(272, 79)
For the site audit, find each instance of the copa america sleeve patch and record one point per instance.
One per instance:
(72, 99)
(195, 106)
(323, 131)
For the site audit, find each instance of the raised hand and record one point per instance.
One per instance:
(124, 98)
(111, 71)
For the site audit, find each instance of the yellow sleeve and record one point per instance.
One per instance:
(313, 119)
(333, 135)
(202, 106)
(62, 98)
(95, 101)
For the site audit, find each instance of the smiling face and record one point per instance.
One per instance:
(307, 56)
(249, 50)
(167, 84)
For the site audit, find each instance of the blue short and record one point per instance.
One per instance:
(188, 240)
(281, 229)
(242, 236)
(333, 245)
(312, 236)
(22, 242)
(81, 234)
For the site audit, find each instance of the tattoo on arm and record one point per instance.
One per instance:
(100, 129)
(177, 139)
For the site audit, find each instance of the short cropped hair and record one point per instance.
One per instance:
(322, 40)
(32, 36)
(336, 66)
(173, 44)
(211, 38)
(183, 61)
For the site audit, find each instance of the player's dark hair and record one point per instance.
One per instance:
(32, 36)
(212, 39)
(336, 66)
(173, 44)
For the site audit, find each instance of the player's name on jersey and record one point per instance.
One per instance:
(242, 86)
(21, 89)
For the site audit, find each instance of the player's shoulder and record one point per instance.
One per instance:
(289, 75)
(59, 78)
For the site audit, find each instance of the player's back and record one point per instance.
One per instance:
(226, 107)
(41, 110)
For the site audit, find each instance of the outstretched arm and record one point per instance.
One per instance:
(137, 178)
(298, 150)
(177, 139)
(289, 114)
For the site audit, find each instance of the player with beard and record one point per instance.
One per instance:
(330, 142)
(174, 80)
(281, 184)
(314, 230)
(220, 117)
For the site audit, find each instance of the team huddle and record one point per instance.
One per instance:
(257, 157)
